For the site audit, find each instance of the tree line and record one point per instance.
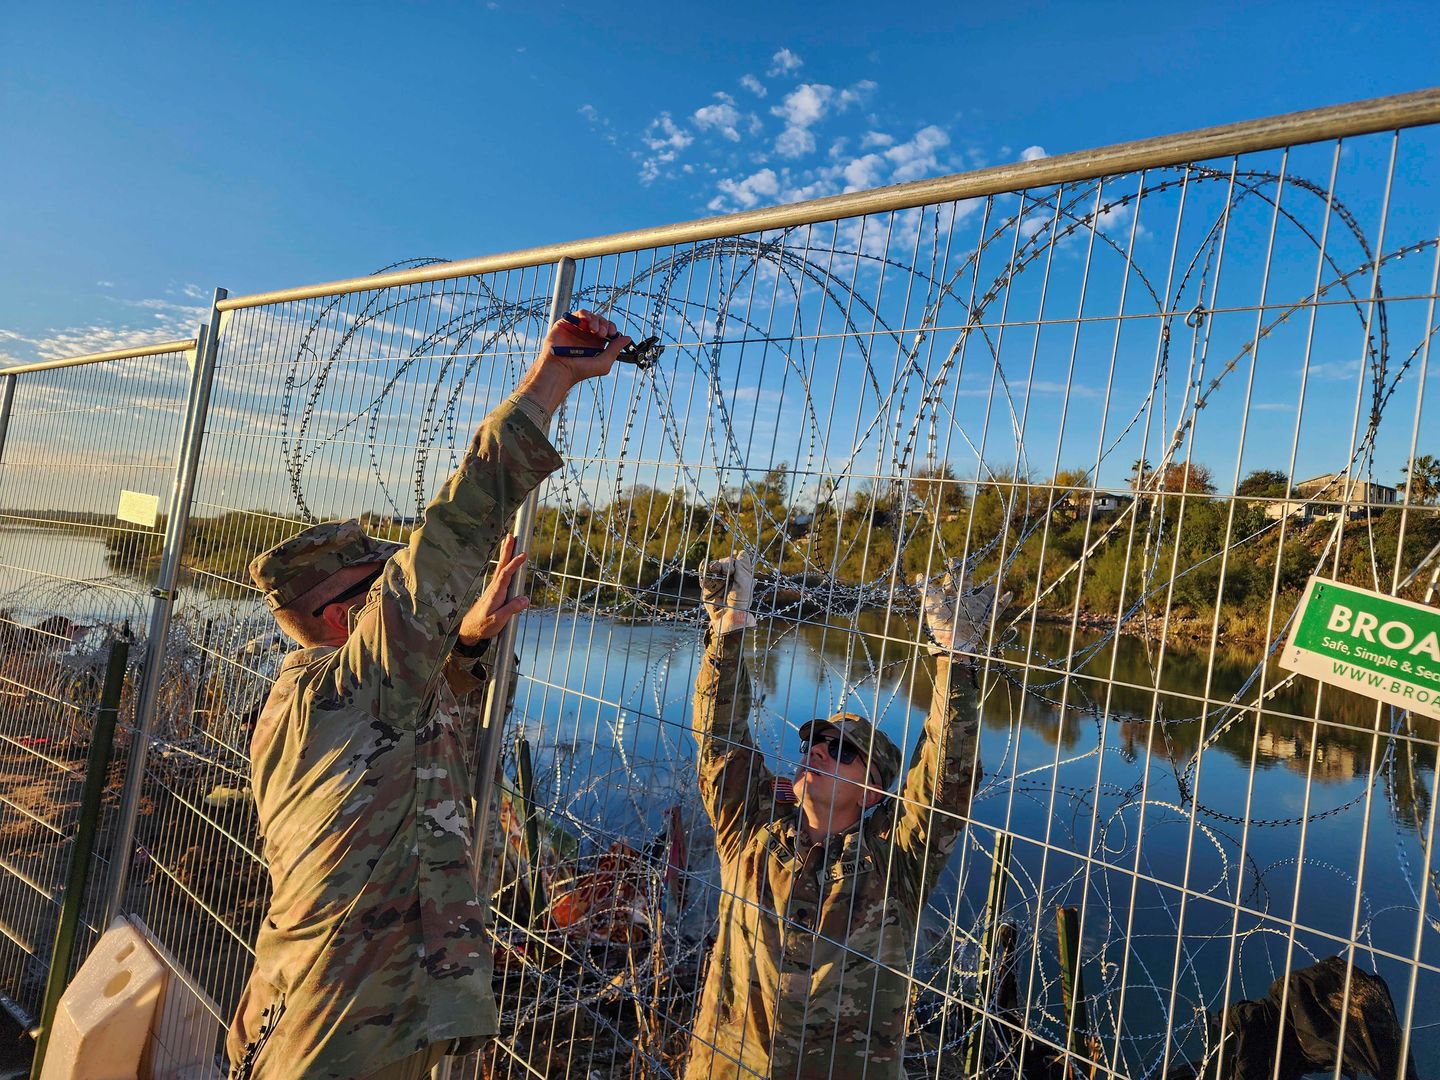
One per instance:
(1169, 539)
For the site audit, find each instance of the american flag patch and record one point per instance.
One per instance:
(784, 790)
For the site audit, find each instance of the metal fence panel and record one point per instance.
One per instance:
(1152, 404)
(71, 573)
(340, 384)
(1149, 404)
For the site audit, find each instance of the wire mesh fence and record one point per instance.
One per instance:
(72, 577)
(1148, 405)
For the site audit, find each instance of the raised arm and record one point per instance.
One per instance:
(946, 767)
(735, 784)
(394, 657)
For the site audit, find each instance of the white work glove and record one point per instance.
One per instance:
(957, 617)
(727, 587)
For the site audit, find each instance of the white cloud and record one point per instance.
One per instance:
(821, 185)
(665, 139)
(855, 94)
(1335, 369)
(917, 156)
(1115, 220)
(724, 117)
(876, 138)
(864, 172)
(1033, 153)
(598, 122)
(59, 344)
(905, 161)
(663, 133)
(754, 85)
(1034, 221)
(794, 142)
(747, 192)
(805, 105)
(104, 284)
(784, 62)
(1049, 386)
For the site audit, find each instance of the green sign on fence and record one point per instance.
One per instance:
(1368, 642)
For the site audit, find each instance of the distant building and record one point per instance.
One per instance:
(1108, 502)
(1323, 496)
(1291, 508)
(1090, 503)
(1332, 487)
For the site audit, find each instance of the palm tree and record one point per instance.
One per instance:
(1139, 473)
(1422, 479)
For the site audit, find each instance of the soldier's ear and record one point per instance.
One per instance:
(874, 797)
(337, 618)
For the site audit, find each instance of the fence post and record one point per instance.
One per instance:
(1072, 986)
(7, 399)
(496, 693)
(525, 775)
(206, 344)
(985, 969)
(97, 770)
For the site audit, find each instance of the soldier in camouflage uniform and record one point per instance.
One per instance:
(373, 960)
(819, 904)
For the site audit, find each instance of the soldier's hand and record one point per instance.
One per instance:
(585, 367)
(727, 586)
(957, 617)
(492, 611)
(552, 376)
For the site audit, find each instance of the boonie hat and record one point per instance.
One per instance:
(291, 569)
(882, 754)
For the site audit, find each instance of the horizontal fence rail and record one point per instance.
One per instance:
(1147, 392)
(1334, 122)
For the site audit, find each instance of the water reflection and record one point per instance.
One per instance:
(1192, 833)
(1209, 844)
(1167, 703)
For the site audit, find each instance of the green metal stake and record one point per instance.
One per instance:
(1072, 982)
(97, 768)
(201, 673)
(526, 775)
(994, 905)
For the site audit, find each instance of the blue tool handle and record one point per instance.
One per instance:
(642, 357)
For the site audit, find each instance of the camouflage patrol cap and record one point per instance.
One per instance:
(291, 569)
(882, 754)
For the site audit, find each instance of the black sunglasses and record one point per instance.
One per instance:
(838, 749)
(360, 588)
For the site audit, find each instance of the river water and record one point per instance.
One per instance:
(49, 571)
(1192, 836)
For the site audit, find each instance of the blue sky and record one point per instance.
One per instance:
(155, 151)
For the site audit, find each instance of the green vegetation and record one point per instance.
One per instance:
(1079, 551)
(1168, 542)
(217, 549)
(1422, 478)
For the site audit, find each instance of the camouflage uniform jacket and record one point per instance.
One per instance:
(374, 944)
(805, 978)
